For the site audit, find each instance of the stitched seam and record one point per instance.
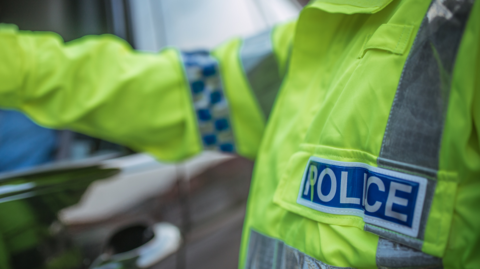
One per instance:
(312, 151)
(327, 215)
(380, 48)
(395, 99)
(399, 40)
(399, 234)
(364, 46)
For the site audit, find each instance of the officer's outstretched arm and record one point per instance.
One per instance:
(170, 104)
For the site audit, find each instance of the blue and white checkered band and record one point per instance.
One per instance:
(209, 101)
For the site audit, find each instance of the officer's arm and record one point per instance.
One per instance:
(252, 71)
(151, 102)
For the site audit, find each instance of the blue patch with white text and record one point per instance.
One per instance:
(382, 197)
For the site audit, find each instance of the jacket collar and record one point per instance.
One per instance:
(350, 6)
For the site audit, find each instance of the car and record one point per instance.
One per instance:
(103, 205)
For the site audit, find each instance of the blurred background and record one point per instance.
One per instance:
(72, 201)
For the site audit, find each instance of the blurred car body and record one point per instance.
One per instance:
(204, 197)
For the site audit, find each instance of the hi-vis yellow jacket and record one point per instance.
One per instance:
(363, 117)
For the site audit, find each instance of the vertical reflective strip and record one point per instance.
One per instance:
(209, 101)
(393, 255)
(413, 134)
(414, 130)
(261, 69)
(269, 253)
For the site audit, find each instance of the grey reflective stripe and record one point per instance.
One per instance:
(269, 253)
(261, 69)
(412, 139)
(210, 104)
(265, 252)
(414, 130)
(393, 255)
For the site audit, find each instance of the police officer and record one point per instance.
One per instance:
(365, 131)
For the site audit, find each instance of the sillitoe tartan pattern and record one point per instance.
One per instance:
(209, 101)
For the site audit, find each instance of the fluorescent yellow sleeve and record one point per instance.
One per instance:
(99, 86)
(282, 43)
(247, 117)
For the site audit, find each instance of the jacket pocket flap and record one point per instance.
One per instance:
(347, 188)
(389, 37)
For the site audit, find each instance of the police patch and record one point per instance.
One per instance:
(381, 197)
